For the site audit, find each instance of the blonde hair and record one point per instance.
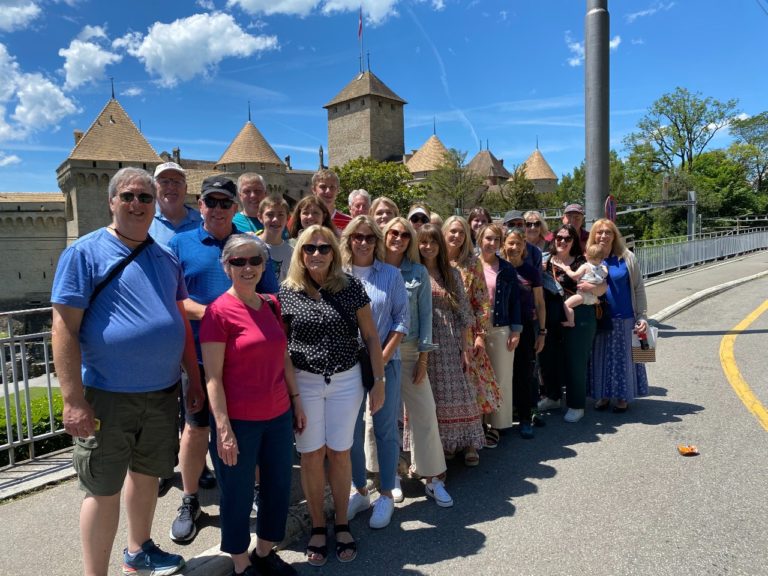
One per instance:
(466, 247)
(543, 229)
(298, 277)
(618, 248)
(412, 252)
(594, 252)
(495, 228)
(346, 241)
(383, 200)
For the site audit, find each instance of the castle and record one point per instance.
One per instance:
(365, 119)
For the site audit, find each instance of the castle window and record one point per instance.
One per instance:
(380, 103)
(261, 166)
(391, 106)
(347, 105)
(94, 163)
(362, 102)
(242, 165)
(119, 164)
(144, 165)
(335, 109)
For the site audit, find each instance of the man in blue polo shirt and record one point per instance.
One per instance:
(172, 216)
(199, 252)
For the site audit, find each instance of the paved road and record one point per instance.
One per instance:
(609, 495)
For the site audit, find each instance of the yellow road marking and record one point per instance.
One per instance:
(728, 362)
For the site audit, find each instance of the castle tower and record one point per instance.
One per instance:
(489, 168)
(250, 152)
(365, 119)
(538, 171)
(428, 158)
(112, 142)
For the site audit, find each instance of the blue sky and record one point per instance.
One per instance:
(501, 71)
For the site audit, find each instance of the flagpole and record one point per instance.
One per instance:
(360, 37)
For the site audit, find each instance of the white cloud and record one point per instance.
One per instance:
(269, 7)
(376, 11)
(84, 60)
(37, 103)
(165, 50)
(637, 41)
(132, 92)
(6, 160)
(206, 4)
(577, 48)
(17, 14)
(658, 7)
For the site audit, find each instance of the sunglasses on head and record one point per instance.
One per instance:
(559, 238)
(225, 203)
(419, 218)
(535, 224)
(240, 261)
(313, 248)
(143, 197)
(405, 235)
(360, 238)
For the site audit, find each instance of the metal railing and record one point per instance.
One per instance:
(670, 254)
(20, 354)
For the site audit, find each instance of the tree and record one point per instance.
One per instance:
(679, 126)
(751, 150)
(379, 179)
(519, 191)
(452, 187)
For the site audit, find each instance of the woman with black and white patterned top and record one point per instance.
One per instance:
(320, 305)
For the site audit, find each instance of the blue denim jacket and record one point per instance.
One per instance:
(419, 290)
(506, 303)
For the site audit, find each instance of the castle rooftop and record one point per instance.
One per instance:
(365, 84)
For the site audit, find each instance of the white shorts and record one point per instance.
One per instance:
(331, 409)
(589, 298)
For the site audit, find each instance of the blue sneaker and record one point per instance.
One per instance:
(151, 561)
(526, 430)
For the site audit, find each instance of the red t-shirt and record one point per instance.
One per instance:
(340, 220)
(254, 370)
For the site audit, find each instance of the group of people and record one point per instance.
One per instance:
(323, 330)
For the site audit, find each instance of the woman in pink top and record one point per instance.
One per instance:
(251, 397)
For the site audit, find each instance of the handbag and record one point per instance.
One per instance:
(603, 316)
(640, 354)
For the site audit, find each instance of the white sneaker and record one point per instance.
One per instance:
(382, 512)
(436, 490)
(357, 503)
(397, 491)
(548, 404)
(573, 414)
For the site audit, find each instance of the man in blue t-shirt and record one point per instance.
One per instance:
(172, 215)
(199, 252)
(118, 343)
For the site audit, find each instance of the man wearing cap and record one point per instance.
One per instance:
(325, 187)
(199, 252)
(574, 215)
(171, 214)
(514, 219)
(359, 202)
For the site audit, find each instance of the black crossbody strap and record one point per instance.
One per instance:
(331, 299)
(120, 267)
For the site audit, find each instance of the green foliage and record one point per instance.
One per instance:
(452, 188)
(751, 150)
(519, 191)
(40, 424)
(679, 126)
(379, 179)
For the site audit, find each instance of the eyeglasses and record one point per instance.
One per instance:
(536, 224)
(225, 203)
(604, 233)
(564, 239)
(170, 182)
(311, 249)
(405, 235)
(360, 238)
(419, 218)
(240, 261)
(143, 197)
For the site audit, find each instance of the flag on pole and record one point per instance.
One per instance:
(360, 24)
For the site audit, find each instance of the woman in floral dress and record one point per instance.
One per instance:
(458, 415)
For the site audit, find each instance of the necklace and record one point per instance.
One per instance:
(116, 231)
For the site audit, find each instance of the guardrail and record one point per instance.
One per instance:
(670, 254)
(26, 364)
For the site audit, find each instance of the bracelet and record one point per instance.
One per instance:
(380, 379)
(542, 332)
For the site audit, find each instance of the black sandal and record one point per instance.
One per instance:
(319, 550)
(342, 547)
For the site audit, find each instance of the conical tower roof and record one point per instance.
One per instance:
(249, 146)
(536, 168)
(429, 157)
(365, 84)
(114, 137)
(485, 164)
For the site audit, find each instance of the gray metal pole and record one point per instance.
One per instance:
(596, 107)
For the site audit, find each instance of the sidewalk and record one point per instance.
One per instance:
(50, 515)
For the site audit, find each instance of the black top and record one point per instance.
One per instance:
(569, 286)
(319, 338)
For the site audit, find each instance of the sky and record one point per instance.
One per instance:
(505, 74)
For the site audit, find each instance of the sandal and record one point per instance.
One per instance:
(342, 547)
(492, 438)
(321, 551)
(471, 457)
(602, 404)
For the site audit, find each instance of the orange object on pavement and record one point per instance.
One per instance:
(687, 449)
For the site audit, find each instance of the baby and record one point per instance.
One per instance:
(593, 271)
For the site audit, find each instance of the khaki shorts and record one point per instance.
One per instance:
(139, 431)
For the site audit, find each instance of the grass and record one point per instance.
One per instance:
(34, 394)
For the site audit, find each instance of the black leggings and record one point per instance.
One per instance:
(522, 372)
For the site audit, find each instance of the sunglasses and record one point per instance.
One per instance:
(143, 197)
(419, 218)
(360, 238)
(225, 203)
(405, 235)
(563, 239)
(240, 261)
(536, 224)
(314, 248)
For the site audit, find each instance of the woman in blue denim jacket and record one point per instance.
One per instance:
(504, 335)
(421, 432)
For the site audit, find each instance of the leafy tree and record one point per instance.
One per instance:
(452, 188)
(751, 150)
(520, 191)
(379, 179)
(679, 126)
(722, 186)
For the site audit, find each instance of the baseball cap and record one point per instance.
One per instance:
(512, 215)
(169, 166)
(219, 184)
(574, 208)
